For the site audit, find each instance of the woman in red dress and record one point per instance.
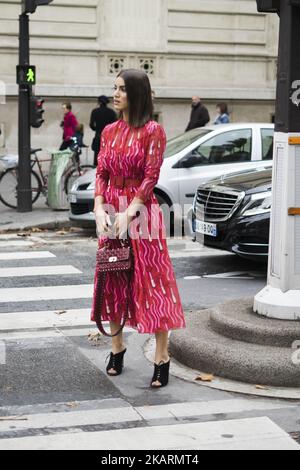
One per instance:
(129, 163)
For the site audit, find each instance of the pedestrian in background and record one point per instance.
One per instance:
(223, 114)
(100, 118)
(199, 115)
(69, 125)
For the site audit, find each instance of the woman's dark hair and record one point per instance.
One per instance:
(139, 96)
(223, 108)
(68, 105)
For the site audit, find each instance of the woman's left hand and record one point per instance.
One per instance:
(121, 225)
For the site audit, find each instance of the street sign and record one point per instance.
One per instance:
(26, 75)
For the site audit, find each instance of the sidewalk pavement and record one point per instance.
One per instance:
(41, 217)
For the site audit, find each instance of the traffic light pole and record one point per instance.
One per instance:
(24, 168)
(281, 298)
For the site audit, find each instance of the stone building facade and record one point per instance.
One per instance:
(218, 49)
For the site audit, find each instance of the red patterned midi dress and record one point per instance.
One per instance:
(154, 301)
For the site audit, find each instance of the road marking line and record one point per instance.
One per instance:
(44, 319)
(74, 418)
(16, 243)
(192, 278)
(2, 353)
(35, 294)
(240, 434)
(38, 271)
(29, 324)
(149, 413)
(26, 255)
(197, 254)
(236, 275)
(190, 409)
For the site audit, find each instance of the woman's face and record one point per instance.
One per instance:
(120, 95)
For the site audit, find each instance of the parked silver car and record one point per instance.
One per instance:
(190, 159)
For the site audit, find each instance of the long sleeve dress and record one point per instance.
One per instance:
(154, 301)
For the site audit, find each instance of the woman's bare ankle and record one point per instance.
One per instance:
(162, 358)
(116, 349)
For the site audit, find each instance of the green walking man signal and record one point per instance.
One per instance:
(26, 75)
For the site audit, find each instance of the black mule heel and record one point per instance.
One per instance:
(161, 374)
(116, 362)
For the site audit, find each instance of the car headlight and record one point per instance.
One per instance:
(74, 187)
(259, 204)
(92, 186)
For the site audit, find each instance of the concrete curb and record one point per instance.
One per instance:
(55, 224)
(237, 321)
(188, 374)
(223, 353)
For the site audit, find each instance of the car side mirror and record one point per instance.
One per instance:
(190, 161)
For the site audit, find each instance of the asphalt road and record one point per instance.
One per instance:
(53, 383)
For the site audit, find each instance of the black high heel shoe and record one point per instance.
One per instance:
(116, 362)
(161, 374)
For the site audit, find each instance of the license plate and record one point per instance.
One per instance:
(206, 228)
(72, 198)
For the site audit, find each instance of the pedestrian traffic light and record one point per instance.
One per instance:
(268, 6)
(29, 6)
(36, 112)
(26, 75)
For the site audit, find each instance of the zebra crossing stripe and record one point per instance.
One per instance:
(239, 434)
(44, 319)
(36, 294)
(23, 255)
(15, 243)
(38, 271)
(150, 413)
(2, 353)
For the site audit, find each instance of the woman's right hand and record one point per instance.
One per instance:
(103, 222)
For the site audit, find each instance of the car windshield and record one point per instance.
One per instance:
(182, 141)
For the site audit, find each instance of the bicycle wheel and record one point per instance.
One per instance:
(9, 187)
(74, 175)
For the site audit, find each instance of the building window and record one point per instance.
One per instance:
(116, 64)
(147, 65)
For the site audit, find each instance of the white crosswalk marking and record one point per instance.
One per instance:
(38, 271)
(26, 255)
(32, 294)
(2, 353)
(150, 413)
(237, 434)
(43, 319)
(15, 243)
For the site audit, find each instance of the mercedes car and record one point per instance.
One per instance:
(233, 213)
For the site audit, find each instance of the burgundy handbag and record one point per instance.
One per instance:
(110, 260)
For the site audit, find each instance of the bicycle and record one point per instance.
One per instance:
(76, 170)
(39, 181)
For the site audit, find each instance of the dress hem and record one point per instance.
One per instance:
(161, 330)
